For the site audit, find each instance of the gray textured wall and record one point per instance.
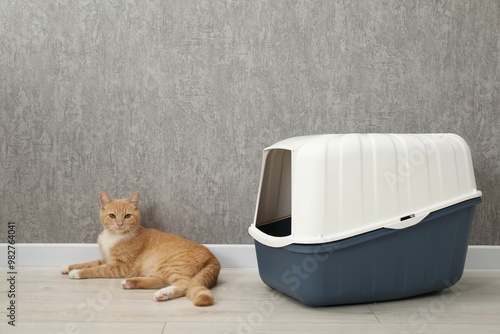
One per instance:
(177, 99)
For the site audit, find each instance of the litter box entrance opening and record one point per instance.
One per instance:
(274, 209)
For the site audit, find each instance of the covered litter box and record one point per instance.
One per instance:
(355, 218)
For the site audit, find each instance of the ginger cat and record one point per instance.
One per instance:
(148, 258)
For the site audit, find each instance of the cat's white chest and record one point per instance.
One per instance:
(107, 241)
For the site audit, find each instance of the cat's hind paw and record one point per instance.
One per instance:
(164, 294)
(65, 270)
(74, 274)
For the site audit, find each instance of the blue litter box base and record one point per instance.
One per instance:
(380, 265)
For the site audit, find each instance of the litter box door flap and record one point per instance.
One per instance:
(274, 196)
(274, 200)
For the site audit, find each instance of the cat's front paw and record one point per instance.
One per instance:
(65, 270)
(74, 274)
(128, 284)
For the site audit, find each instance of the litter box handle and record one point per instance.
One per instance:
(407, 221)
(268, 240)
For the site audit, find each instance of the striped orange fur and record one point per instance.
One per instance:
(148, 258)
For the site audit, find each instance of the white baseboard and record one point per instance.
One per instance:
(483, 257)
(56, 255)
(230, 256)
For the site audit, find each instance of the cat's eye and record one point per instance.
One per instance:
(112, 215)
(128, 215)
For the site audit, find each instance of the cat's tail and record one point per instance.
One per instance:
(198, 290)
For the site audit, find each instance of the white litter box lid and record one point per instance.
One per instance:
(338, 186)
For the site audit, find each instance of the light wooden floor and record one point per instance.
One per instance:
(48, 302)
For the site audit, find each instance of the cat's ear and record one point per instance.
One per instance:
(105, 199)
(134, 199)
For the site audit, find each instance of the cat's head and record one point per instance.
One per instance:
(120, 215)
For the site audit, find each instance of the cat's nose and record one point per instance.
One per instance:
(119, 223)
